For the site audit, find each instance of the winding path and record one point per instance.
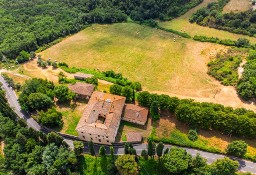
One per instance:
(245, 166)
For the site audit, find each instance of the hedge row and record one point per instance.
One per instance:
(208, 116)
(241, 42)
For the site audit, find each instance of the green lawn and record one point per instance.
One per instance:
(91, 165)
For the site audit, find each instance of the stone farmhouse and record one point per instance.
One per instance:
(102, 116)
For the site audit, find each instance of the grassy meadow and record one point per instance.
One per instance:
(182, 23)
(161, 61)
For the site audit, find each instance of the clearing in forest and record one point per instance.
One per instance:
(161, 61)
(182, 24)
(237, 6)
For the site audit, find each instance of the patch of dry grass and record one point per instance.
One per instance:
(237, 6)
(17, 78)
(168, 124)
(140, 53)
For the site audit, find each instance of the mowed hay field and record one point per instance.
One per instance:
(237, 6)
(182, 24)
(140, 53)
(161, 61)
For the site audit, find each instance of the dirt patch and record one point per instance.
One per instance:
(31, 69)
(237, 6)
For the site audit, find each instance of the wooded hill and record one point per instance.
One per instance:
(27, 25)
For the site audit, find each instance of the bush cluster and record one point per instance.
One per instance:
(212, 16)
(241, 42)
(224, 67)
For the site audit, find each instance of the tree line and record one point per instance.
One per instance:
(30, 152)
(212, 16)
(27, 25)
(165, 161)
(208, 116)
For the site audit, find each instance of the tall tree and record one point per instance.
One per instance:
(127, 165)
(154, 110)
(159, 149)
(151, 148)
(78, 147)
(91, 148)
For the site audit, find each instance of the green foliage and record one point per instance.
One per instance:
(207, 115)
(192, 135)
(91, 148)
(241, 42)
(126, 165)
(115, 89)
(176, 161)
(102, 151)
(154, 110)
(52, 137)
(144, 154)
(182, 34)
(9, 80)
(36, 94)
(224, 166)
(159, 149)
(51, 118)
(23, 57)
(212, 16)
(224, 67)
(151, 148)
(246, 85)
(26, 151)
(39, 101)
(78, 147)
(237, 148)
(63, 94)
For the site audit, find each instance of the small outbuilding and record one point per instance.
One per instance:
(135, 114)
(82, 90)
(82, 76)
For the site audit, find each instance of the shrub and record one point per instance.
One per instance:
(51, 118)
(237, 148)
(192, 135)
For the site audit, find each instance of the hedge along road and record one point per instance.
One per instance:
(245, 166)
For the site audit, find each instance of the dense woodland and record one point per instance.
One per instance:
(30, 152)
(212, 16)
(27, 25)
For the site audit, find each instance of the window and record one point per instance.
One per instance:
(91, 138)
(98, 135)
(108, 141)
(106, 136)
(82, 132)
(99, 140)
(90, 134)
(83, 137)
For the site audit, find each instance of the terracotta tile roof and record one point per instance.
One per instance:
(82, 75)
(109, 107)
(133, 137)
(135, 114)
(82, 88)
